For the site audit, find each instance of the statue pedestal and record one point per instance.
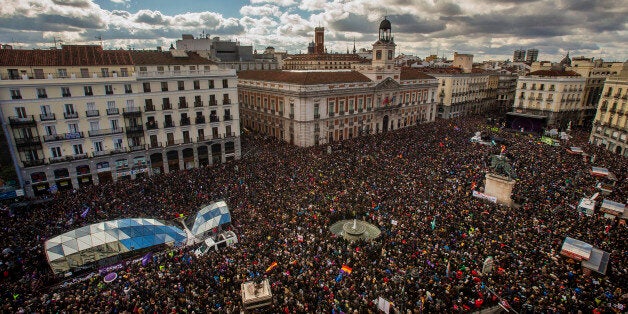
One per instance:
(500, 187)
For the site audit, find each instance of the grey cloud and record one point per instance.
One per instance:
(73, 3)
(124, 14)
(411, 24)
(151, 18)
(51, 22)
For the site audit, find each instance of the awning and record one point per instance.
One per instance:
(576, 249)
(598, 261)
(613, 208)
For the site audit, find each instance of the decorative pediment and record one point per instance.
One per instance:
(387, 84)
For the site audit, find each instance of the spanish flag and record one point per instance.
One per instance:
(271, 267)
(346, 269)
(503, 150)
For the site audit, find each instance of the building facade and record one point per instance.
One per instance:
(82, 115)
(610, 127)
(316, 107)
(506, 90)
(519, 55)
(532, 55)
(556, 95)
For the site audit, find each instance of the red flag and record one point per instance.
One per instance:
(271, 267)
(346, 269)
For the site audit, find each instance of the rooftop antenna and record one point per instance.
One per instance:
(55, 41)
(99, 37)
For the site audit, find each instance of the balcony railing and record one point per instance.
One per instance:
(185, 121)
(47, 117)
(169, 124)
(113, 111)
(226, 101)
(92, 113)
(149, 108)
(291, 116)
(213, 103)
(63, 137)
(70, 115)
(104, 132)
(27, 120)
(183, 105)
(317, 116)
(199, 120)
(228, 117)
(27, 141)
(131, 111)
(198, 104)
(155, 145)
(134, 129)
(166, 106)
(33, 163)
(137, 147)
(109, 152)
(213, 119)
(152, 125)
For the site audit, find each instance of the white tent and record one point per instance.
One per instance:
(613, 208)
(210, 217)
(576, 249)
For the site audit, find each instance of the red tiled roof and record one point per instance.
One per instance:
(68, 55)
(413, 74)
(552, 73)
(449, 70)
(325, 57)
(305, 77)
(151, 57)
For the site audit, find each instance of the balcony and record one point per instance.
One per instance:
(33, 163)
(155, 145)
(185, 121)
(183, 105)
(213, 103)
(16, 96)
(213, 119)
(42, 95)
(47, 117)
(109, 152)
(63, 137)
(70, 115)
(149, 108)
(134, 129)
(152, 125)
(22, 121)
(131, 112)
(104, 132)
(291, 116)
(178, 142)
(226, 101)
(66, 95)
(92, 113)
(617, 95)
(199, 120)
(113, 111)
(351, 111)
(198, 104)
(331, 114)
(228, 117)
(54, 160)
(166, 106)
(317, 116)
(168, 124)
(137, 147)
(27, 141)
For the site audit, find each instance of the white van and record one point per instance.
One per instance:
(224, 239)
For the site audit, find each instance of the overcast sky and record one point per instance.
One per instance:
(489, 29)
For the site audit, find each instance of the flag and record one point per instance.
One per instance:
(448, 269)
(473, 185)
(433, 223)
(146, 258)
(339, 277)
(503, 149)
(271, 267)
(346, 269)
(84, 213)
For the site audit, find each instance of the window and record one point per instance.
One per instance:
(164, 86)
(88, 90)
(62, 73)
(390, 55)
(331, 107)
(128, 89)
(50, 130)
(65, 92)
(211, 84)
(523, 86)
(39, 73)
(94, 125)
(197, 84)
(124, 72)
(109, 89)
(84, 72)
(45, 109)
(20, 112)
(55, 152)
(41, 93)
(115, 124)
(104, 72)
(177, 69)
(98, 147)
(111, 104)
(143, 69)
(181, 85)
(315, 110)
(90, 106)
(225, 83)
(117, 143)
(69, 108)
(15, 94)
(78, 149)
(73, 128)
(378, 55)
(146, 86)
(160, 70)
(130, 103)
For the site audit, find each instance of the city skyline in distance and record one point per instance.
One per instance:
(488, 29)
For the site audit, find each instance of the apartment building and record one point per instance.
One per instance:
(610, 127)
(81, 115)
(553, 94)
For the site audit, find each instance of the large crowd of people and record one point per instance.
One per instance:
(415, 184)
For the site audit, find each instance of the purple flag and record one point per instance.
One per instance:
(146, 258)
(84, 214)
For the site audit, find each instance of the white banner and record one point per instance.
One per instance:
(383, 305)
(484, 196)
